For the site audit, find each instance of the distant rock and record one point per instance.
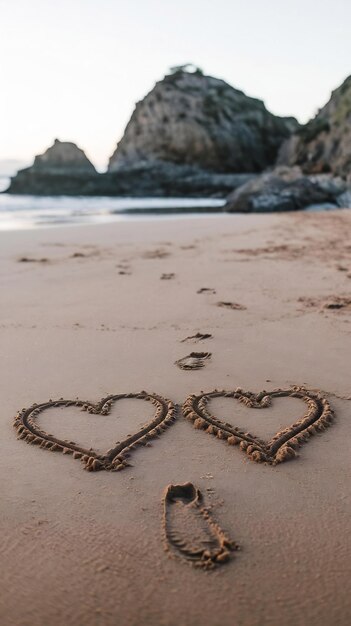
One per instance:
(192, 119)
(286, 189)
(61, 158)
(324, 144)
(62, 169)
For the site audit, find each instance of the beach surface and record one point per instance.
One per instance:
(89, 311)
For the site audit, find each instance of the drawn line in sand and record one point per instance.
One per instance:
(114, 459)
(190, 533)
(193, 361)
(284, 444)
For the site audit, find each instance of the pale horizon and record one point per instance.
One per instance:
(75, 71)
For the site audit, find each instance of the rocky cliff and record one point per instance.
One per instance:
(324, 144)
(194, 135)
(189, 118)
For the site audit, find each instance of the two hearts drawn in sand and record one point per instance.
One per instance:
(281, 447)
(213, 547)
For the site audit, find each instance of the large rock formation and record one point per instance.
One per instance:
(196, 136)
(287, 189)
(62, 169)
(189, 118)
(324, 144)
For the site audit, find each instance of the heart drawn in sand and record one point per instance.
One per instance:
(284, 444)
(114, 459)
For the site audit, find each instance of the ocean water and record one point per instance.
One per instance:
(28, 212)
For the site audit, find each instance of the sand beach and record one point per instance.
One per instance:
(176, 307)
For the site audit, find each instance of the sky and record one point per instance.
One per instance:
(73, 69)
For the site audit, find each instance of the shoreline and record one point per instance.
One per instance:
(62, 212)
(18, 212)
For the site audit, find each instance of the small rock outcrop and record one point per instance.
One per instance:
(62, 169)
(192, 119)
(324, 143)
(61, 158)
(287, 189)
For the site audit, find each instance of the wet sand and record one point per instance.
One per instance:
(256, 302)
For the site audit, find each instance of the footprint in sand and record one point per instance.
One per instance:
(79, 255)
(167, 276)
(342, 268)
(234, 306)
(335, 303)
(25, 259)
(193, 361)
(124, 269)
(206, 290)
(92, 252)
(196, 338)
(159, 253)
(190, 534)
(347, 270)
